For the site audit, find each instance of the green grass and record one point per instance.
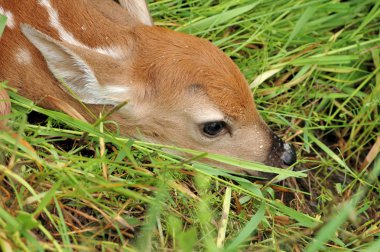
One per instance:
(3, 20)
(314, 68)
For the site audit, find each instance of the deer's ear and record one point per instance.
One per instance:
(74, 66)
(138, 9)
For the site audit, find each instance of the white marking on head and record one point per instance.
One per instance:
(68, 37)
(207, 115)
(10, 19)
(23, 56)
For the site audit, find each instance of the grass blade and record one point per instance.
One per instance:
(3, 22)
(306, 16)
(218, 19)
(248, 229)
(224, 218)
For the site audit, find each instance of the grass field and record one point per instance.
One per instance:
(314, 70)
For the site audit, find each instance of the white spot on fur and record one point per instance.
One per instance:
(55, 23)
(69, 37)
(10, 19)
(23, 56)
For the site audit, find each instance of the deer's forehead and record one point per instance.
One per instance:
(233, 102)
(240, 108)
(229, 92)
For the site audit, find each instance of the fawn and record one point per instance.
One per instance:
(181, 90)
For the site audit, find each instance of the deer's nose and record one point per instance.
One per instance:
(289, 155)
(281, 154)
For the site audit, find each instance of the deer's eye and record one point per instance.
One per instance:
(214, 129)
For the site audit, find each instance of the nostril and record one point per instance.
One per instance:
(289, 157)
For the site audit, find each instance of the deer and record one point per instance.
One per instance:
(85, 57)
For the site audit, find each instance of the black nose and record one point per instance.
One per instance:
(289, 156)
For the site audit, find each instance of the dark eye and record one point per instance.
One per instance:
(213, 129)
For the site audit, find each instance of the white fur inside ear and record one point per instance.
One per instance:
(107, 94)
(73, 71)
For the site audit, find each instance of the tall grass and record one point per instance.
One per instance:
(314, 71)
